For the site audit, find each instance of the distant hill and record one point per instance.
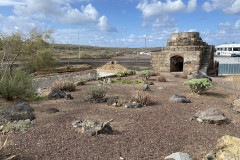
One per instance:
(70, 51)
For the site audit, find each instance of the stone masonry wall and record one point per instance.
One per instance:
(47, 81)
(189, 46)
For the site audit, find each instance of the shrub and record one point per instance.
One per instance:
(113, 80)
(125, 73)
(82, 81)
(232, 98)
(96, 93)
(126, 81)
(18, 85)
(199, 86)
(117, 101)
(120, 74)
(143, 98)
(146, 74)
(16, 126)
(42, 60)
(64, 86)
(137, 81)
(161, 78)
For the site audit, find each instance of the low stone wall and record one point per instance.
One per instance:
(47, 80)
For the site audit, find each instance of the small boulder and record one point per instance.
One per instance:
(227, 147)
(179, 99)
(93, 127)
(160, 88)
(132, 105)
(69, 97)
(212, 116)
(112, 101)
(56, 94)
(236, 105)
(21, 111)
(146, 88)
(201, 74)
(179, 156)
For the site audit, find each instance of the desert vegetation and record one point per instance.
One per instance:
(149, 118)
(199, 86)
(31, 53)
(63, 86)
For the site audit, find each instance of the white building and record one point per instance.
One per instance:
(228, 50)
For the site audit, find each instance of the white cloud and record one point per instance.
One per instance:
(59, 10)
(237, 24)
(226, 32)
(157, 8)
(10, 2)
(227, 6)
(207, 7)
(164, 21)
(105, 26)
(226, 24)
(192, 4)
(88, 14)
(192, 30)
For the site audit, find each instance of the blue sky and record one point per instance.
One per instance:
(124, 23)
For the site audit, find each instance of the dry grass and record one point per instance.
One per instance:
(2, 155)
(161, 78)
(235, 80)
(143, 97)
(231, 98)
(64, 86)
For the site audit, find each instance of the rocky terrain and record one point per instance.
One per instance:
(150, 132)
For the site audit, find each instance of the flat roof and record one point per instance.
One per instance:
(228, 45)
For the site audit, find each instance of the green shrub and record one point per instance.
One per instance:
(18, 85)
(120, 74)
(137, 81)
(96, 93)
(199, 86)
(64, 86)
(125, 73)
(113, 80)
(125, 81)
(146, 74)
(82, 81)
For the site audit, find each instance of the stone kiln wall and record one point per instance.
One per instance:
(189, 45)
(47, 81)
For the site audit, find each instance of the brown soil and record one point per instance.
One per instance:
(151, 132)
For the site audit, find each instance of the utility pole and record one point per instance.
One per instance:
(145, 39)
(78, 47)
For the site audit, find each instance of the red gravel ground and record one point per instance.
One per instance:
(151, 132)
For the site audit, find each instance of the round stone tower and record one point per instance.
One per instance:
(184, 35)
